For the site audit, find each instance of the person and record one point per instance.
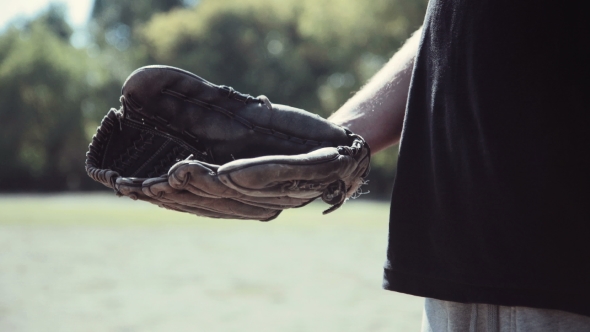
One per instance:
(489, 219)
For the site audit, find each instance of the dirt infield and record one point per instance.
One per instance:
(98, 263)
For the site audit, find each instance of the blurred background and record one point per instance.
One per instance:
(75, 258)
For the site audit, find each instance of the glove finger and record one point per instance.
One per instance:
(211, 214)
(162, 195)
(277, 203)
(157, 187)
(160, 189)
(200, 179)
(131, 187)
(221, 205)
(299, 176)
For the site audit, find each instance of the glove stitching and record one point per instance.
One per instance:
(233, 94)
(143, 127)
(130, 103)
(126, 102)
(242, 120)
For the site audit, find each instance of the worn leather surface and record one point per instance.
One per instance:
(228, 124)
(169, 114)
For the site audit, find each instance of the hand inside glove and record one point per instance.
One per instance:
(250, 159)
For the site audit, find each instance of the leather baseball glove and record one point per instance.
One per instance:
(186, 144)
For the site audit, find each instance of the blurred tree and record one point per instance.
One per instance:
(113, 24)
(111, 13)
(53, 19)
(43, 81)
(112, 43)
(307, 53)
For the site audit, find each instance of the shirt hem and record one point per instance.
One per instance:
(413, 284)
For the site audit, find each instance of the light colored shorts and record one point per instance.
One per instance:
(446, 316)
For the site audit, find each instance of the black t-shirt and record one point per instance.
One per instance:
(490, 202)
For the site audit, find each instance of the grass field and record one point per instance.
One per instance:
(95, 262)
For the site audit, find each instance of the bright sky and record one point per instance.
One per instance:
(78, 10)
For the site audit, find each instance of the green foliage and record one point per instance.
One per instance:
(53, 19)
(114, 22)
(43, 83)
(311, 54)
(40, 101)
(129, 12)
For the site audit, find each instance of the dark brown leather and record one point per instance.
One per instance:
(334, 174)
(168, 114)
(227, 124)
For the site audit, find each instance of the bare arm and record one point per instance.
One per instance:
(377, 111)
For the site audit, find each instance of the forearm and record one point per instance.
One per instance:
(377, 111)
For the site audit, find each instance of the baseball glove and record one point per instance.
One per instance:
(186, 144)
